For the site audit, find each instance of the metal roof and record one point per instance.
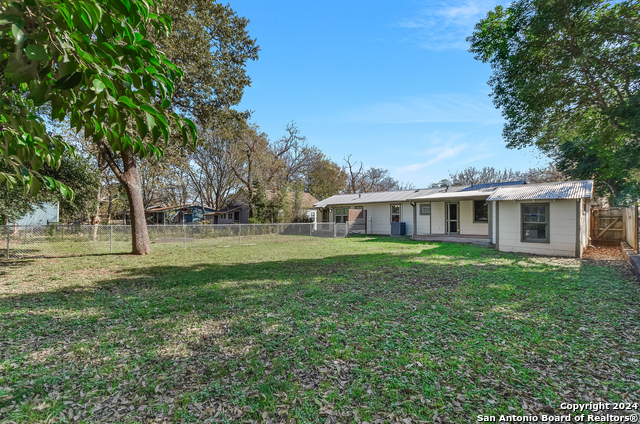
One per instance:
(561, 190)
(478, 190)
(356, 199)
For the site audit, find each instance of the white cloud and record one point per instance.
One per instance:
(438, 154)
(446, 25)
(435, 108)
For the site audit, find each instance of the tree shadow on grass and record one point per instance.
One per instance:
(296, 314)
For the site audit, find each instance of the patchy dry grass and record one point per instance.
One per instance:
(361, 329)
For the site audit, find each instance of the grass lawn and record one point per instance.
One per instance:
(346, 330)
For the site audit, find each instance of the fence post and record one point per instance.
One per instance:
(334, 229)
(239, 234)
(184, 236)
(8, 239)
(310, 229)
(111, 239)
(62, 227)
(277, 233)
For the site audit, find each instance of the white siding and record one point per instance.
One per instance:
(407, 216)
(424, 221)
(467, 226)
(492, 205)
(437, 218)
(562, 229)
(585, 222)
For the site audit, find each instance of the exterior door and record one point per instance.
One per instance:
(453, 218)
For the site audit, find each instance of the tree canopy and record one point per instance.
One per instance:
(563, 69)
(93, 64)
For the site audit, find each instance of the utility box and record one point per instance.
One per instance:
(398, 228)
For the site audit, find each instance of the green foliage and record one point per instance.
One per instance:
(615, 170)
(259, 203)
(324, 178)
(90, 62)
(563, 69)
(211, 45)
(75, 172)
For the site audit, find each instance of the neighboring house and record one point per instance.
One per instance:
(546, 219)
(42, 215)
(170, 215)
(306, 205)
(236, 213)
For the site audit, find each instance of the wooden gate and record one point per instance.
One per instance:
(608, 226)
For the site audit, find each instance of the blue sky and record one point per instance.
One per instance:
(390, 81)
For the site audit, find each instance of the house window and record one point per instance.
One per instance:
(312, 215)
(535, 223)
(236, 217)
(395, 213)
(481, 211)
(341, 215)
(325, 215)
(425, 209)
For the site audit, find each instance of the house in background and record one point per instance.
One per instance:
(170, 215)
(44, 214)
(306, 205)
(546, 219)
(236, 213)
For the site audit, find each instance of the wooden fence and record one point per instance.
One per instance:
(610, 226)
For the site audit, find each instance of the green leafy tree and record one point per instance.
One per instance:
(259, 203)
(563, 69)
(324, 178)
(211, 45)
(75, 172)
(615, 171)
(92, 63)
(567, 71)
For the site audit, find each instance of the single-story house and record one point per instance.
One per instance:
(236, 213)
(170, 215)
(547, 219)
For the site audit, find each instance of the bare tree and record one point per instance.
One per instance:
(354, 174)
(474, 176)
(372, 179)
(211, 169)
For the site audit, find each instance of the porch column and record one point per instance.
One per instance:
(415, 219)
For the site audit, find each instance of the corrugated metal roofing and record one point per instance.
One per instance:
(561, 190)
(406, 195)
(355, 199)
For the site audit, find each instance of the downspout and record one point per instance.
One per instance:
(415, 220)
(497, 225)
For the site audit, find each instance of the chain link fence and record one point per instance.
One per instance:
(28, 241)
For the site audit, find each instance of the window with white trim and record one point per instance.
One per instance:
(395, 213)
(425, 209)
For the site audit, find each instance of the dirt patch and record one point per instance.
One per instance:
(604, 253)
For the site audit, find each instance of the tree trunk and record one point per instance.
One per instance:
(95, 219)
(130, 180)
